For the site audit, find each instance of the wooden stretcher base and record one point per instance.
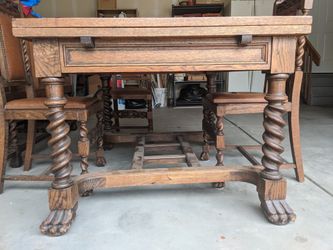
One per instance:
(112, 138)
(64, 202)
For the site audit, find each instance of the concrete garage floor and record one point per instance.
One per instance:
(186, 217)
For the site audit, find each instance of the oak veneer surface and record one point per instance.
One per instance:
(161, 27)
(179, 44)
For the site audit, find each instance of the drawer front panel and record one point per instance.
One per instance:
(166, 56)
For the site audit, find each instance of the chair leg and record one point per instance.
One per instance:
(83, 147)
(3, 150)
(116, 115)
(107, 101)
(31, 132)
(295, 144)
(150, 116)
(100, 159)
(205, 148)
(16, 161)
(220, 146)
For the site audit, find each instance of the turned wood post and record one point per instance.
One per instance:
(107, 102)
(219, 141)
(211, 82)
(273, 124)
(100, 159)
(59, 129)
(300, 46)
(16, 161)
(84, 146)
(63, 194)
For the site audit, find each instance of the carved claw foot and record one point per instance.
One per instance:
(278, 212)
(58, 222)
(219, 185)
(204, 156)
(100, 161)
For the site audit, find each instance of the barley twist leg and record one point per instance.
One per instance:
(272, 187)
(100, 159)
(63, 195)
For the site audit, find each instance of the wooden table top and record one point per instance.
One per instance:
(162, 27)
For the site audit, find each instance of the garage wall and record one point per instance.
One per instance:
(87, 8)
(67, 8)
(148, 8)
(247, 81)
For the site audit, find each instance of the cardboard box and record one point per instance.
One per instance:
(197, 77)
(106, 4)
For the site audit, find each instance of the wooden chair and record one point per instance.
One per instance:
(16, 70)
(221, 104)
(142, 91)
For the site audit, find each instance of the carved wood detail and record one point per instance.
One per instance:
(100, 159)
(59, 129)
(83, 147)
(47, 58)
(107, 102)
(273, 124)
(147, 55)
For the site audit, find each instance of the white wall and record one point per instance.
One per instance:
(322, 34)
(248, 81)
(321, 37)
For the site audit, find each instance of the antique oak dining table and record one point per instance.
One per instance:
(159, 45)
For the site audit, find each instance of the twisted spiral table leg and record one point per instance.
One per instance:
(219, 147)
(219, 141)
(63, 194)
(107, 109)
(84, 147)
(205, 148)
(107, 102)
(272, 187)
(100, 159)
(273, 125)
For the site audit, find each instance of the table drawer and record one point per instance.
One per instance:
(165, 55)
